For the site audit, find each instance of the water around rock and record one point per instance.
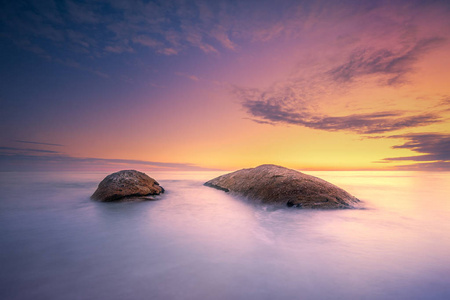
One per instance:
(127, 184)
(271, 184)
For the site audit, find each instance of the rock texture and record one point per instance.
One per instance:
(125, 184)
(272, 184)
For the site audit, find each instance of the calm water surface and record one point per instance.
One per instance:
(199, 243)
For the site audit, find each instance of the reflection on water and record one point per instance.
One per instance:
(195, 242)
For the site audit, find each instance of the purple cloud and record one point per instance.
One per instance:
(275, 112)
(13, 151)
(38, 143)
(27, 159)
(434, 149)
(393, 64)
(434, 146)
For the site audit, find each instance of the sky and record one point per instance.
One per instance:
(224, 85)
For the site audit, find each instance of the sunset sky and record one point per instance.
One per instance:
(198, 85)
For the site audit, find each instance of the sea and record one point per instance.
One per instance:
(195, 242)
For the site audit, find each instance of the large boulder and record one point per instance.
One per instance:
(126, 184)
(270, 184)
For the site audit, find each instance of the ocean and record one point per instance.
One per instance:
(195, 242)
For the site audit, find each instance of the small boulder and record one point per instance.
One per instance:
(271, 184)
(126, 183)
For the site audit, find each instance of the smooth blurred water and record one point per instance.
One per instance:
(196, 242)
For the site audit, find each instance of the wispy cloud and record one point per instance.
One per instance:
(383, 50)
(221, 35)
(296, 100)
(101, 28)
(434, 149)
(18, 158)
(444, 105)
(393, 64)
(119, 49)
(191, 77)
(98, 27)
(427, 166)
(286, 106)
(82, 13)
(34, 159)
(14, 151)
(435, 146)
(147, 41)
(168, 51)
(37, 143)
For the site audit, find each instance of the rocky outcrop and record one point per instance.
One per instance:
(270, 184)
(125, 184)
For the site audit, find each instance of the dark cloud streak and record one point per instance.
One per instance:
(12, 159)
(434, 146)
(378, 122)
(38, 143)
(292, 102)
(394, 65)
(25, 150)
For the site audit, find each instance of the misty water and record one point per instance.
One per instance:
(196, 242)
